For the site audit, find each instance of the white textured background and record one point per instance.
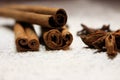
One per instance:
(77, 63)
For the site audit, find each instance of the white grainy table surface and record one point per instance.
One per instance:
(77, 63)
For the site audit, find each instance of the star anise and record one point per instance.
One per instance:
(101, 39)
(86, 30)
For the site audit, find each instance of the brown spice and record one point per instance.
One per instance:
(102, 39)
(117, 38)
(86, 30)
(110, 45)
(57, 39)
(21, 37)
(52, 39)
(33, 41)
(44, 16)
(67, 37)
(52, 20)
(26, 38)
(91, 38)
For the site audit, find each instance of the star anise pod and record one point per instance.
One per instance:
(117, 38)
(86, 30)
(93, 37)
(101, 39)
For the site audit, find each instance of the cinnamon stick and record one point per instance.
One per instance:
(52, 39)
(37, 9)
(30, 17)
(33, 41)
(59, 16)
(26, 38)
(57, 39)
(67, 37)
(21, 38)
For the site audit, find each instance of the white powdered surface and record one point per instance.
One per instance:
(77, 63)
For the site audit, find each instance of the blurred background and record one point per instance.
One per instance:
(77, 63)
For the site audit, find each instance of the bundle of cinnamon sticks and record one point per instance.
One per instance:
(55, 34)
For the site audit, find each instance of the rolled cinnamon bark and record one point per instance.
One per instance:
(29, 17)
(33, 41)
(26, 38)
(67, 38)
(56, 39)
(21, 38)
(59, 15)
(52, 39)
